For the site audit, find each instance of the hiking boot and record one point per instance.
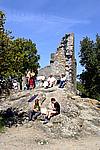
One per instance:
(45, 122)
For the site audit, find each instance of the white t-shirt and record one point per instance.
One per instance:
(45, 84)
(15, 85)
(51, 80)
(63, 79)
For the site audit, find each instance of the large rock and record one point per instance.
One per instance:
(78, 117)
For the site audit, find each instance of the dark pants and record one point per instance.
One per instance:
(33, 114)
(62, 83)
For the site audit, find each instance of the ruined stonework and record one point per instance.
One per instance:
(63, 61)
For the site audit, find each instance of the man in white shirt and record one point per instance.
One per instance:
(51, 81)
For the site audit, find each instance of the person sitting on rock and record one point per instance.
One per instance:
(45, 84)
(35, 112)
(53, 110)
(62, 81)
(51, 81)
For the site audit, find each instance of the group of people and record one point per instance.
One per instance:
(30, 81)
(53, 107)
(51, 81)
(52, 110)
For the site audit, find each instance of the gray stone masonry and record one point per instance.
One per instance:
(63, 61)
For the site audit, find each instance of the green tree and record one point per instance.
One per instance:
(5, 46)
(90, 59)
(24, 56)
(2, 21)
(2, 44)
(16, 55)
(5, 50)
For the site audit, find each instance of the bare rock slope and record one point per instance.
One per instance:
(79, 116)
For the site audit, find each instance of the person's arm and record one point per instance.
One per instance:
(55, 107)
(34, 109)
(51, 106)
(43, 101)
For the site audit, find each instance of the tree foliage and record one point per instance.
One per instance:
(90, 59)
(16, 55)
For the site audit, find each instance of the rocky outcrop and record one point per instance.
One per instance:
(79, 116)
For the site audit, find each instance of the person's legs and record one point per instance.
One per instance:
(31, 113)
(50, 84)
(36, 115)
(62, 83)
(49, 115)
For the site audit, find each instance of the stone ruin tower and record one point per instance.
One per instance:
(63, 61)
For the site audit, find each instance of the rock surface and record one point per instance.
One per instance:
(79, 118)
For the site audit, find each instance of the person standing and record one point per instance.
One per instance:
(31, 82)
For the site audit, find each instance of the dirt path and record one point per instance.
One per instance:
(22, 138)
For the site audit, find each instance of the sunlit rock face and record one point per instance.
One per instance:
(63, 61)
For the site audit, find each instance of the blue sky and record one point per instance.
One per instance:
(45, 22)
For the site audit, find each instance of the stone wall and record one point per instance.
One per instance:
(63, 61)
